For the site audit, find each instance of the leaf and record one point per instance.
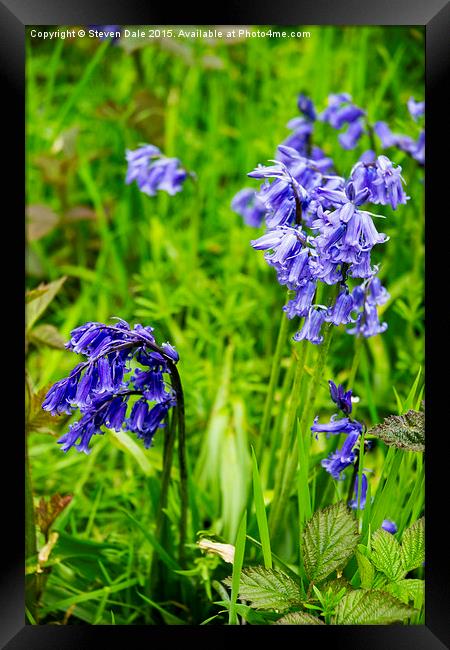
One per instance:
(413, 546)
(386, 555)
(40, 301)
(268, 589)
(239, 552)
(335, 586)
(403, 431)
(80, 213)
(329, 539)
(47, 335)
(40, 221)
(299, 618)
(48, 511)
(38, 420)
(408, 590)
(369, 607)
(366, 570)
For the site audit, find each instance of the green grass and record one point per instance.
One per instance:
(184, 265)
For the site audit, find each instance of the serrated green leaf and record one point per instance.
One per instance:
(268, 589)
(386, 555)
(413, 546)
(335, 586)
(329, 539)
(408, 590)
(403, 431)
(366, 570)
(299, 618)
(368, 607)
(38, 300)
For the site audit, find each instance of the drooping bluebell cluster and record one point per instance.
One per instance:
(342, 458)
(414, 147)
(121, 364)
(318, 228)
(153, 171)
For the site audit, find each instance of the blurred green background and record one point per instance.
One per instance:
(184, 265)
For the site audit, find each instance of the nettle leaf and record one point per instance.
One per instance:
(386, 555)
(299, 618)
(329, 539)
(369, 607)
(413, 546)
(403, 431)
(47, 335)
(408, 590)
(268, 589)
(38, 300)
(366, 570)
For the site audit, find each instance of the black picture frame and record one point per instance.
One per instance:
(435, 16)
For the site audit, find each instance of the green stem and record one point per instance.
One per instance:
(273, 381)
(169, 442)
(289, 468)
(355, 362)
(182, 462)
(30, 538)
(288, 439)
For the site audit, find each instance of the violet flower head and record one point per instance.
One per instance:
(342, 398)
(153, 171)
(342, 458)
(104, 386)
(416, 109)
(353, 503)
(389, 526)
(247, 204)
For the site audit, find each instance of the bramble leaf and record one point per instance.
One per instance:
(366, 570)
(413, 546)
(369, 607)
(299, 618)
(38, 420)
(408, 590)
(403, 431)
(386, 555)
(329, 539)
(268, 589)
(48, 511)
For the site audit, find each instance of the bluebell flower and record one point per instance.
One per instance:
(353, 503)
(350, 138)
(335, 426)
(342, 398)
(389, 526)
(382, 179)
(153, 171)
(340, 110)
(101, 387)
(312, 326)
(339, 460)
(416, 109)
(249, 206)
(415, 148)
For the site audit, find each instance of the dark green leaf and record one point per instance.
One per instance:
(299, 618)
(367, 607)
(268, 589)
(413, 545)
(329, 539)
(403, 431)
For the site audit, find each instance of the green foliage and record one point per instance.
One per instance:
(413, 546)
(268, 589)
(329, 540)
(403, 431)
(368, 607)
(386, 555)
(299, 618)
